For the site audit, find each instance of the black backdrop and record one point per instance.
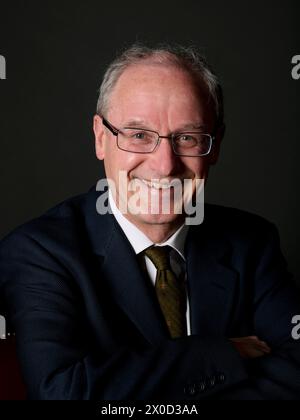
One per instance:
(55, 53)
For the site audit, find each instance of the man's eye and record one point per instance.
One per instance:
(135, 134)
(185, 138)
(139, 136)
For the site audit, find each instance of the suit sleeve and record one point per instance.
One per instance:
(276, 302)
(61, 360)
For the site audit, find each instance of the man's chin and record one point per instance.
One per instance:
(157, 219)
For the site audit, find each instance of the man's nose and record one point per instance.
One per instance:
(164, 158)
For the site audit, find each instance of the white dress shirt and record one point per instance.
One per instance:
(139, 241)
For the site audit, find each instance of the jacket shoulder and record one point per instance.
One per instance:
(236, 224)
(233, 216)
(63, 226)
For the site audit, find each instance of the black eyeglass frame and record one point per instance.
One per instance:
(115, 131)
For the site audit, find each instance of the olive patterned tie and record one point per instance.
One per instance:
(170, 291)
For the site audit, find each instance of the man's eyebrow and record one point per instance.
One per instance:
(135, 123)
(191, 126)
(143, 124)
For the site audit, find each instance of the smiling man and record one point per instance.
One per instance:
(135, 303)
(157, 96)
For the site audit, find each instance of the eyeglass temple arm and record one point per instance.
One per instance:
(112, 129)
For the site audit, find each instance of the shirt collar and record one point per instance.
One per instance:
(138, 240)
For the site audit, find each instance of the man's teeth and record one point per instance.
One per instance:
(158, 185)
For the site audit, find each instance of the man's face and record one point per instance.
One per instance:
(164, 99)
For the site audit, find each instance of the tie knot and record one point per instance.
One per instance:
(159, 255)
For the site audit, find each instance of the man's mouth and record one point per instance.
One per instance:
(160, 185)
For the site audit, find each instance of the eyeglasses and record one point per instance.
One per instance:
(138, 140)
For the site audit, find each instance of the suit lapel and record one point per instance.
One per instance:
(120, 269)
(211, 284)
(132, 289)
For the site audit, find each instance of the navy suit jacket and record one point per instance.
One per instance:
(88, 325)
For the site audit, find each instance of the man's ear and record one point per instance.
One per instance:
(99, 137)
(217, 144)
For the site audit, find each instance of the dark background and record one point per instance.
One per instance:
(56, 53)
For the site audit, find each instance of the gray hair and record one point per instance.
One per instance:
(187, 58)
